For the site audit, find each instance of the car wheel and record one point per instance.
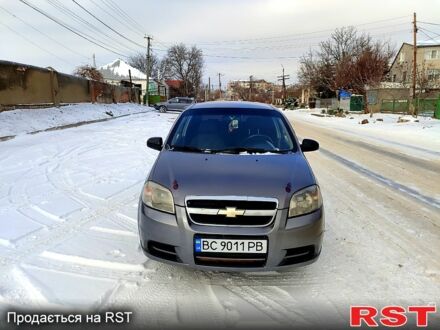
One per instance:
(163, 109)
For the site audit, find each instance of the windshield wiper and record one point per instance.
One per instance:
(237, 150)
(187, 148)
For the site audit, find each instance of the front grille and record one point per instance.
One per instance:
(237, 221)
(239, 204)
(231, 211)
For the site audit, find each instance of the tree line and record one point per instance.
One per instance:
(348, 60)
(181, 62)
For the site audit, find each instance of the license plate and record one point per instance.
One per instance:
(217, 245)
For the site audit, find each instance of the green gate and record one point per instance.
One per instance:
(357, 103)
(394, 106)
(437, 109)
(426, 107)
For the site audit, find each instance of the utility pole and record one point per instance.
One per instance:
(220, 84)
(131, 85)
(94, 61)
(414, 62)
(250, 87)
(148, 69)
(283, 78)
(209, 88)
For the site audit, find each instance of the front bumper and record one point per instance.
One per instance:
(292, 242)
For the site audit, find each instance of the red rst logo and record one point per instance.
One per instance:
(390, 316)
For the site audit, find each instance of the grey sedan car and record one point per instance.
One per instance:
(231, 190)
(174, 104)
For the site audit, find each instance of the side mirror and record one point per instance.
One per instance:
(309, 145)
(155, 143)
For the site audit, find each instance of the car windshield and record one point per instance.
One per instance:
(231, 131)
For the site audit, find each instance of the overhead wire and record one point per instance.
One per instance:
(81, 35)
(115, 17)
(287, 36)
(106, 25)
(35, 44)
(44, 34)
(105, 38)
(119, 10)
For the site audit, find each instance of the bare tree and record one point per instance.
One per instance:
(139, 61)
(88, 72)
(348, 60)
(185, 64)
(240, 91)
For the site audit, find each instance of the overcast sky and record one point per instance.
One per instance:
(238, 37)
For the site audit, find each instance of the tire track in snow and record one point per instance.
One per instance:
(429, 201)
(267, 305)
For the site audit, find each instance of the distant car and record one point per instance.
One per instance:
(231, 190)
(174, 104)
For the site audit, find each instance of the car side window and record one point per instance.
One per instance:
(284, 141)
(173, 100)
(179, 136)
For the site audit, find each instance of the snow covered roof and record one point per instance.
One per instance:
(428, 43)
(118, 70)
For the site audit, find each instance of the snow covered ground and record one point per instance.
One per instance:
(68, 232)
(413, 135)
(21, 121)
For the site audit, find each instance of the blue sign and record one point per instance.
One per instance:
(343, 94)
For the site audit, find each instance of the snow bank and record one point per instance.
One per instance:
(421, 131)
(21, 121)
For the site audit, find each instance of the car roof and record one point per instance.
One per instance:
(232, 104)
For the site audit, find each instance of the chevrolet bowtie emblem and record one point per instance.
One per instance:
(231, 212)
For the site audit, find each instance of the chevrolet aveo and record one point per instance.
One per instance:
(231, 190)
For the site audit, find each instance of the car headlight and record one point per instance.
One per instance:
(305, 201)
(158, 197)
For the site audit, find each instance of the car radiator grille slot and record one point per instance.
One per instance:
(163, 251)
(298, 255)
(230, 262)
(226, 211)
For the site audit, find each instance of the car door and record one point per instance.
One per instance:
(180, 105)
(173, 104)
(188, 102)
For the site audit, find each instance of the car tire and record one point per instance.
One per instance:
(162, 108)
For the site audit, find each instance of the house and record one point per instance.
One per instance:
(236, 88)
(174, 87)
(117, 73)
(428, 65)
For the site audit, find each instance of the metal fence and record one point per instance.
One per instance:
(398, 100)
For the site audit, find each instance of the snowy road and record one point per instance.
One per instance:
(68, 233)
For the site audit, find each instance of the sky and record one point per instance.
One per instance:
(238, 38)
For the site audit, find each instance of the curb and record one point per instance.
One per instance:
(81, 123)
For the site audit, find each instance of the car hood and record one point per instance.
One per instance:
(264, 175)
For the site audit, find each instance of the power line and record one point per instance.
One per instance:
(115, 17)
(46, 35)
(265, 39)
(119, 10)
(430, 37)
(240, 57)
(33, 43)
(108, 26)
(430, 31)
(82, 35)
(430, 23)
(89, 26)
